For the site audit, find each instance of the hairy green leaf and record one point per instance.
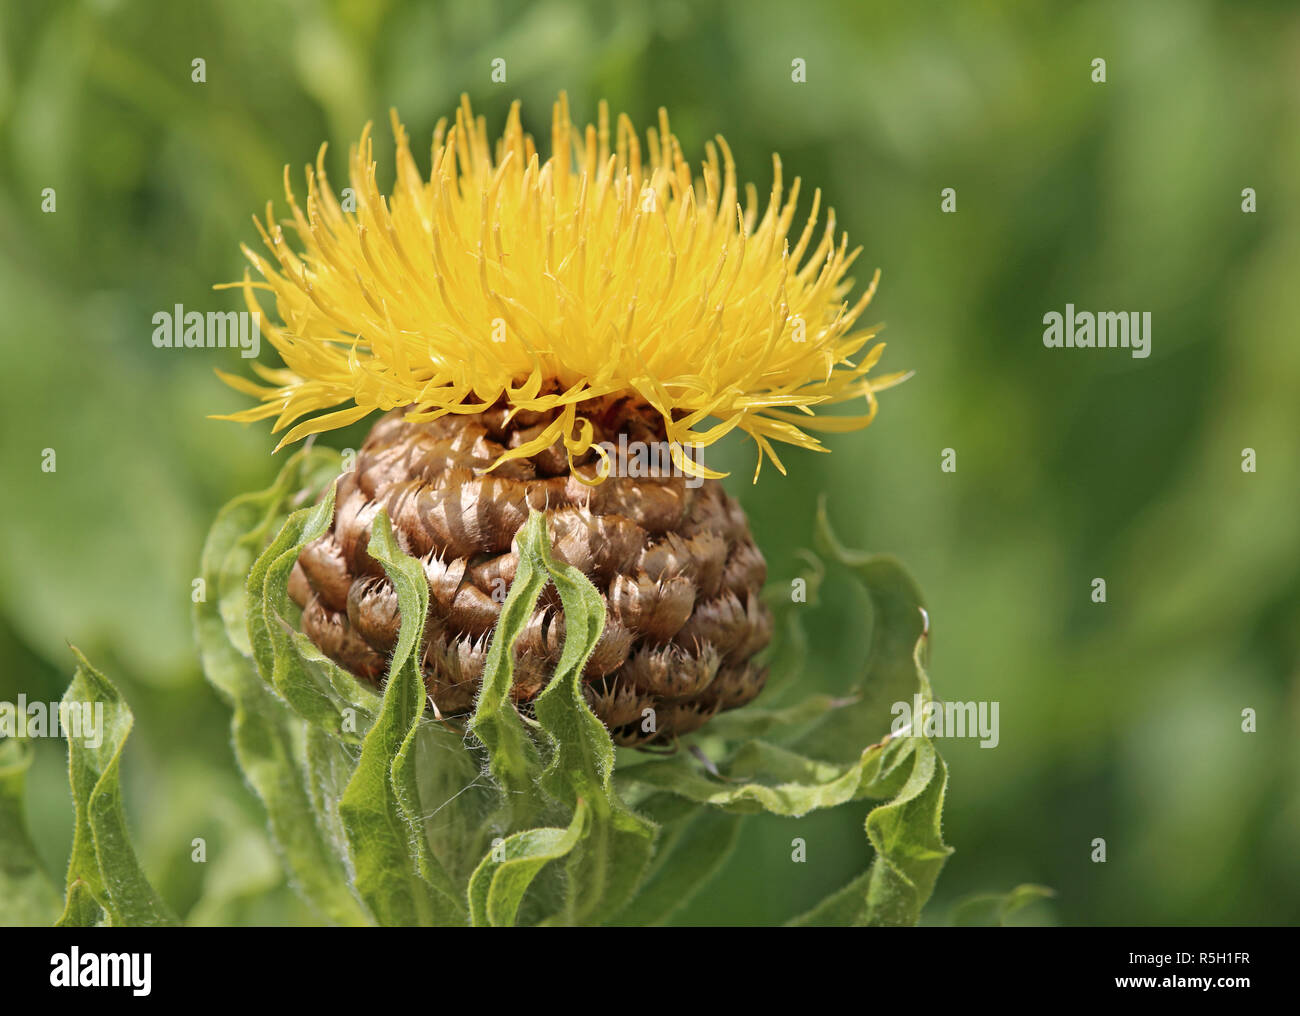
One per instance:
(908, 838)
(381, 842)
(752, 722)
(328, 764)
(687, 857)
(266, 731)
(320, 692)
(841, 909)
(405, 812)
(103, 860)
(609, 863)
(894, 622)
(302, 758)
(499, 882)
(909, 854)
(82, 909)
(412, 588)
(513, 757)
(458, 802)
(764, 777)
(906, 833)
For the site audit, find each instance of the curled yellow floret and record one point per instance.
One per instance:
(605, 269)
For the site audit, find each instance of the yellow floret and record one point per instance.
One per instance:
(601, 270)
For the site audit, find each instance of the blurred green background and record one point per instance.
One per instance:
(1119, 720)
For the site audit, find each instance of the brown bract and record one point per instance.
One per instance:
(671, 556)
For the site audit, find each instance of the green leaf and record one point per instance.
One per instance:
(754, 722)
(894, 623)
(302, 768)
(826, 765)
(764, 777)
(429, 761)
(906, 833)
(908, 839)
(266, 732)
(513, 758)
(27, 896)
(317, 690)
(412, 587)
(499, 882)
(410, 808)
(245, 526)
(610, 861)
(994, 909)
(687, 857)
(841, 909)
(103, 861)
(584, 754)
(328, 764)
(382, 844)
(457, 801)
(82, 910)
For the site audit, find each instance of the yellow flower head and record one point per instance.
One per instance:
(604, 270)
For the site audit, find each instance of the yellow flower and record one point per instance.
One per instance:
(605, 269)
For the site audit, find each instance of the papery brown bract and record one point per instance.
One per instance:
(671, 556)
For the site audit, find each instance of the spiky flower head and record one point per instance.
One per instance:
(606, 270)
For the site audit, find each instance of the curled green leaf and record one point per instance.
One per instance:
(764, 777)
(103, 867)
(610, 861)
(499, 882)
(381, 841)
(513, 757)
(412, 589)
(266, 731)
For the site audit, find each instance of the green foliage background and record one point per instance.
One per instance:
(1120, 721)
